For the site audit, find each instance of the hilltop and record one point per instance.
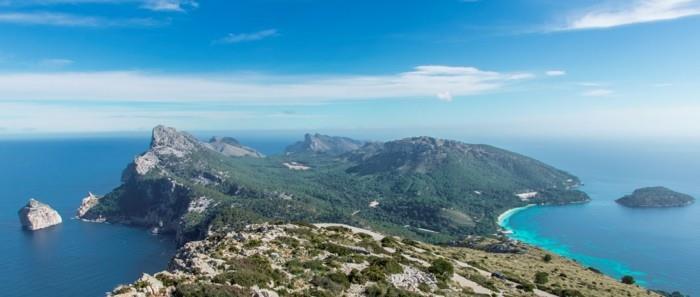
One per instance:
(421, 188)
(305, 260)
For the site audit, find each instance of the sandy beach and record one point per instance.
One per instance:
(503, 218)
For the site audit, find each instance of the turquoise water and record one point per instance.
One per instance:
(659, 247)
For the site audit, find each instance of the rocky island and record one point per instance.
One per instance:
(36, 215)
(653, 197)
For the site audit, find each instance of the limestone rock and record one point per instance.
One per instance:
(36, 215)
(88, 202)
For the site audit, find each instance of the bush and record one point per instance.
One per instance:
(526, 287)
(541, 278)
(384, 290)
(356, 277)
(209, 290)
(628, 279)
(388, 265)
(442, 269)
(547, 258)
(566, 292)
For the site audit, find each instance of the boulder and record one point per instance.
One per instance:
(36, 215)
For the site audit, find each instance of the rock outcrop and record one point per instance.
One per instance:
(230, 147)
(88, 202)
(36, 215)
(265, 260)
(324, 144)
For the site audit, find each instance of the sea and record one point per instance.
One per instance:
(659, 247)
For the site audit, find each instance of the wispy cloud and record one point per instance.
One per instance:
(72, 20)
(170, 5)
(244, 37)
(57, 63)
(155, 5)
(443, 82)
(638, 11)
(555, 72)
(598, 93)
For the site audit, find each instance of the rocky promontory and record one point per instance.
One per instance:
(653, 197)
(36, 215)
(88, 202)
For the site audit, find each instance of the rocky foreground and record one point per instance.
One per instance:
(36, 215)
(333, 260)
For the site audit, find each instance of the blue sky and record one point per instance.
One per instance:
(540, 68)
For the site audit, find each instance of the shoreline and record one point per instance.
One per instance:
(502, 219)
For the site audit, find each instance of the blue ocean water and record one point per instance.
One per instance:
(659, 247)
(75, 258)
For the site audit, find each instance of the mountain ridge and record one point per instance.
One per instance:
(401, 187)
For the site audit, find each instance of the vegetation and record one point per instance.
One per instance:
(627, 279)
(655, 197)
(221, 265)
(427, 189)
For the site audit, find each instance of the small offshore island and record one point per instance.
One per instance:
(36, 215)
(655, 197)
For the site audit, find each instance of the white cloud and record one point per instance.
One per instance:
(56, 62)
(421, 82)
(244, 37)
(638, 11)
(445, 96)
(555, 72)
(71, 20)
(170, 5)
(598, 93)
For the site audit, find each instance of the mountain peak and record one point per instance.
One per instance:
(324, 144)
(171, 141)
(230, 147)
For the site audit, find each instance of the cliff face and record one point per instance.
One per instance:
(36, 215)
(149, 195)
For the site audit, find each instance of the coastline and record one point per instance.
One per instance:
(503, 218)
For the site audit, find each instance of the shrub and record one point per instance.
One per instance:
(442, 269)
(541, 278)
(384, 290)
(209, 290)
(356, 277)
(334, 282)
(388, 265)
(547, 258)
(526, 287)
(566, 292)
(628, 279)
